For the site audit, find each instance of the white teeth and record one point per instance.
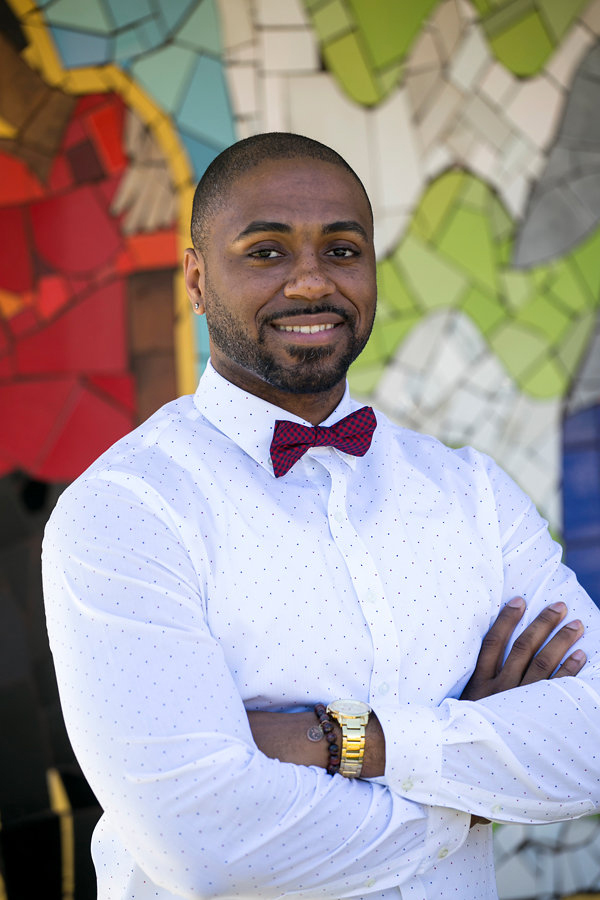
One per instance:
(305, 329)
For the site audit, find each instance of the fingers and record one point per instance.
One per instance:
(522, 655)
(572, 665)
(494, 643)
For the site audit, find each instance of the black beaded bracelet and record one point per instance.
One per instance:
(329, 732)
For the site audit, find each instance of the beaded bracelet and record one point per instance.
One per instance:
(329, 732)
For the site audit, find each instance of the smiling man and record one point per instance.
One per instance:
(267, 596)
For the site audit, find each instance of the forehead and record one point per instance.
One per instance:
(298, 192)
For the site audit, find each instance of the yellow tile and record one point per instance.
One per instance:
(10, 304)
(7, 130)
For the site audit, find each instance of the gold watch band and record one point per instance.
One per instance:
(352, 717)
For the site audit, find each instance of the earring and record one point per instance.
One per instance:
(196, 306)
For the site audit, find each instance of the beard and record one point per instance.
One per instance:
(312, 370)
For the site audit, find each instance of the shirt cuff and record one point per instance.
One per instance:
(413, 751)
(447, 830)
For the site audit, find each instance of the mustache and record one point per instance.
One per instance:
(307, 311)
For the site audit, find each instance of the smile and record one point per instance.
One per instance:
(305, 329)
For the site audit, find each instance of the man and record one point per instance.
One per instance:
(201, 586)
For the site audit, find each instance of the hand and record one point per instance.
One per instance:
(525, 663)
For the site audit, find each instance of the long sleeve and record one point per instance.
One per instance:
(527, 755)
(158, 724)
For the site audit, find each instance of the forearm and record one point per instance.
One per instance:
(284, 736)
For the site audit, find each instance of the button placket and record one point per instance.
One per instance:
(369, 589)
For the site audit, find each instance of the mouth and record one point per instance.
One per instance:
(307, 329)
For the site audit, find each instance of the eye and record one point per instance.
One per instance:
(265, 253)
(343, 252)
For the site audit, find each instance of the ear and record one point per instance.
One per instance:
(193, 273)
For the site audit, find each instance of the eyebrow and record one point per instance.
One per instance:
(259, 226)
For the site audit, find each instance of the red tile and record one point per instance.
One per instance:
(75, 132)
(17, 184)
(89, 102)
(90, 336)
(87, 237)
(107, 190)
(53, 294)
(93, 425)
(157, 250)
(16, 273)
(6, 465)
(23, 322)
(32, 407)
(6, 342)
(119, 387)
(105, 126)
(61, 177)
(7, 368)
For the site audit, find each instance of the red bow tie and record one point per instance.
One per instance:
(352, 434)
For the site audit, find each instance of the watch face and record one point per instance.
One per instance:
(349, 707)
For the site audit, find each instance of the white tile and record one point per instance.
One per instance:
(536, 110)
(437, 160)
(470, 61)
(425, 53)
(486, 121)
(289, 50)
(236, 22)
(389, 230)
(566, 60)
(591, 17)
(515, 194)
(279, 12)
(438, 118)
(242, 53)
(318, 108)
(247, 126)
(516, 155)
(483, 159)
(421, 87)
(496, 83)
(242, 88)
(447, 25)
(461, 141)
(273, 106)
(398, 173)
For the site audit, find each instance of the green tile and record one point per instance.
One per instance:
(390, 77)
(126, 12)
(432, 280)
(364, 381)
(516, 287)
(484, 309)
(468, 242)
(344, 57)
(506, 14)
(392, 289)
(524, 48)
(547, 380)
(501, 223)
(394, 332)
(165, 73)
(436, 202)
(331, 20)
(127, 44)
(586, 258)
(389, 27)
(559, 15)
(202, 30)
(573, 347)
(517, 347)
(570, 289)
(504, 250)
(549, 319)
(90, 15)
(475, 193)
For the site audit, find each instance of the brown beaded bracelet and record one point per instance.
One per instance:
(329, 732)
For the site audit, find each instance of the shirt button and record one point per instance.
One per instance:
(407, 784)
(370, 882)
(383, 688)
(443, 853)
(371, 596)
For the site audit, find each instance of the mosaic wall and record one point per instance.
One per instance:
(474, 125)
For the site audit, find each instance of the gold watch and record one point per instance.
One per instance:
(352, 716)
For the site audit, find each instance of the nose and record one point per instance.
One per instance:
(308, 281)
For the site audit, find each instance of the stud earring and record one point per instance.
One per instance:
(196, 306)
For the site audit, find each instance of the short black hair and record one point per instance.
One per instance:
(235, 161)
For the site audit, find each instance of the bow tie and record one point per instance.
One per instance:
(352, 434)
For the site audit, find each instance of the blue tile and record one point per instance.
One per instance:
(205, 111)
(90, 16)
(173, 12)
(79, 49)
(585, 562)
(582, 427)
(202, 29)
(151, 34)
(127, 46)
(126, 12)
(165, 74)
(201, 343)
(201, 155)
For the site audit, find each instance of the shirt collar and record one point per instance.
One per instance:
(249, 421)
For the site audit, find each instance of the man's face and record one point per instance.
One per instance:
(287, 279)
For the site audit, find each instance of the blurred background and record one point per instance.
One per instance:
(475, 126)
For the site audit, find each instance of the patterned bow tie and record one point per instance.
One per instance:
(352, 434)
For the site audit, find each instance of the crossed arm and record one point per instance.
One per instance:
(284, 737)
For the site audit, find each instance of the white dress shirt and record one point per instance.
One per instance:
(185, 584)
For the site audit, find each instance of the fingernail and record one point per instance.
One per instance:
(516, 602)
(578, 656)
(575, 625)
(557, 607)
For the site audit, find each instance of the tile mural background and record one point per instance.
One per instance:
(475, 127)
